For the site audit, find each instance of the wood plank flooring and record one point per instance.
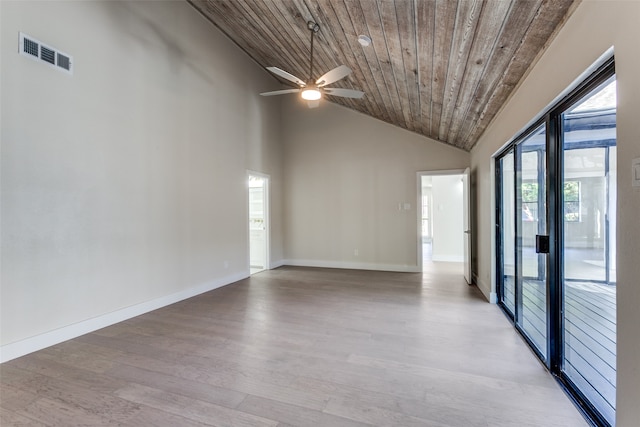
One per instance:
(297, 347)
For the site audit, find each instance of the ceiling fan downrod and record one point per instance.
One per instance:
(314, 28)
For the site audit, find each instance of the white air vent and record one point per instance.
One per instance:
(34, 49)
(64, 61)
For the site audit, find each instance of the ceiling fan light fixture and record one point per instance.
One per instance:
(313, 90)
(311, 94)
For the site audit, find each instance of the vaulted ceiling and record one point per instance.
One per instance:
(440, 68)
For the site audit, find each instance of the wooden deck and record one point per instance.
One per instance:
(590, 342)
(590, 335)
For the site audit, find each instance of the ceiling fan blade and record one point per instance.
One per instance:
(287, 76)
(333, 75)
(345, 93)
(280, 92)
(313, 103)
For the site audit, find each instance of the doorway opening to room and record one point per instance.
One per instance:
(443, 218)
(258, 222)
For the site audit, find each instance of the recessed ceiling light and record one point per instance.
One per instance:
(364, 40)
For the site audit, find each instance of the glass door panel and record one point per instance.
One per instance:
(563, 297)
(531, 199)
(506, 219)
(589, 227)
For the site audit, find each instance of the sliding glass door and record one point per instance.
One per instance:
(522, 213)
(506, 217)
(555, 219)
(531, 205)
(588, 245)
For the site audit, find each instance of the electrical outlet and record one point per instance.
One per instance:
(226, 264)
(356, 252)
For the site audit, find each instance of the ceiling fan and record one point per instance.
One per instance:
(312, 91)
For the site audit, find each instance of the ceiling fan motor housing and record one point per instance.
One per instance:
(313, 26)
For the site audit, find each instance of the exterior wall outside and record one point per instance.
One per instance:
(594, 27)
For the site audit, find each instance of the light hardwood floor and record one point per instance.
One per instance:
(297, 346)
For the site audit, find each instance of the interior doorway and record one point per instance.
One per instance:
(258, 222)
(443, 219)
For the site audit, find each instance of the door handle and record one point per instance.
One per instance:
(542, 244)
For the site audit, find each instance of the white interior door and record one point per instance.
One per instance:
(258, 223)
(466, 218)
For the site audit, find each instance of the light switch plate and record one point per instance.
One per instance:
(635, 172)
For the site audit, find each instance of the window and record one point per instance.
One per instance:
(572, 201)
(426, 227)
(529, 201)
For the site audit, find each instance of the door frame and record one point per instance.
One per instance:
(419, 176)
(267, 230)
(591, 79)
(466, 224)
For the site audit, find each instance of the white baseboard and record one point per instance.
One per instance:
(276, 264)
(352, 265)
(493, 298)
(47, 339)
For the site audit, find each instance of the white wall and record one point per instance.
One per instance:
(346, 174)
(592, 29)
(123, 186)
(448, 243)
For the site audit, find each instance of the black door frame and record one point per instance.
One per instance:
(552, 118)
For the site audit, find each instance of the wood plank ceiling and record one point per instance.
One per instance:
(440, 68)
